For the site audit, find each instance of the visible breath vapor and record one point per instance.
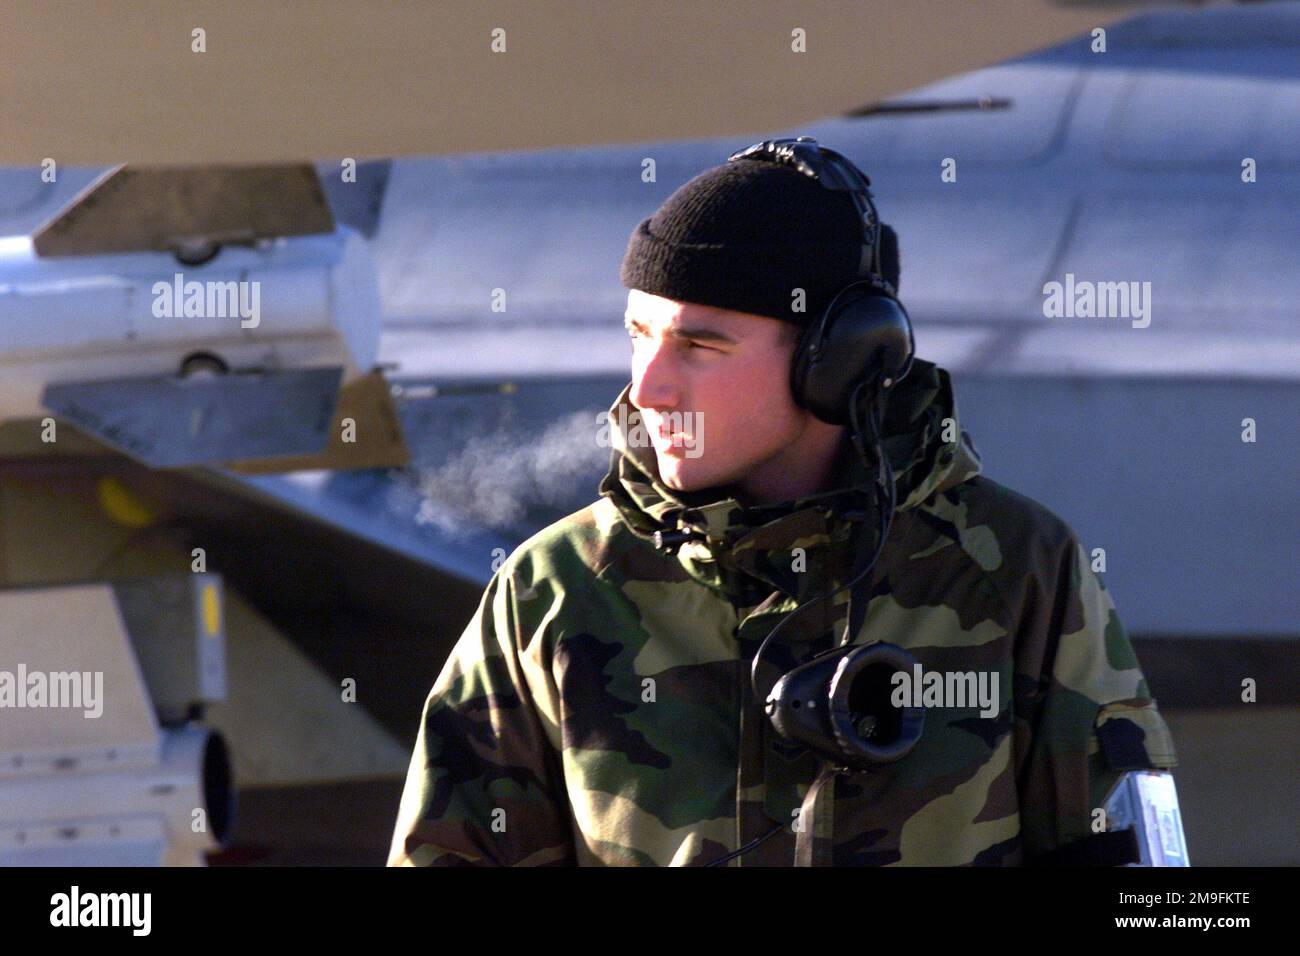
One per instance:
(496, 478)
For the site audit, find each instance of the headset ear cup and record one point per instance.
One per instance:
(869, 332)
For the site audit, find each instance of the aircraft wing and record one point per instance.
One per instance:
(260, 82)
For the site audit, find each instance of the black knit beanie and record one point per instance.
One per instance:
(744, 235)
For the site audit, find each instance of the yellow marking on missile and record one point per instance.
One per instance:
(122, 505)
(211, 611)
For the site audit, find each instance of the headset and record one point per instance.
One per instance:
(864, 327)
(860, 348)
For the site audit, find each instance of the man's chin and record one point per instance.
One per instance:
(684, 475)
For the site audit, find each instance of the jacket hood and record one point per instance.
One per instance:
(743, 552)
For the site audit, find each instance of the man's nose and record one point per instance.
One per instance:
(654, 376)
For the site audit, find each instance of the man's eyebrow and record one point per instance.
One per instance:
(684, 332)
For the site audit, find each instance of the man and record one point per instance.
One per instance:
(598, 709)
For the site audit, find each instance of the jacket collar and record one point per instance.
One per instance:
(744, 552)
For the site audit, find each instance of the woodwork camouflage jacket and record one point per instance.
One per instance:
(597, 709)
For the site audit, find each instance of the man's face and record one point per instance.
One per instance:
(721, 378)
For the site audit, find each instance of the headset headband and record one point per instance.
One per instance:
(833, 171)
